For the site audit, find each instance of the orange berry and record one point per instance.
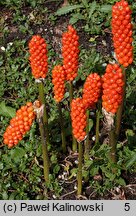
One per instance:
(91, 90)
(38, 57)
(70, 52)
(78, 117)
(58, 80)
(19, 126)
(122, 32)
(112, 94)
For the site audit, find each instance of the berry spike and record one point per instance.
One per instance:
(38, 57)
(19, 125)
(58, 79)
(112, 88)
(78, 116)
(92, 90)
(70, 52)
(122, 32)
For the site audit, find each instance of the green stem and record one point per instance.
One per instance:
(98, 113)
(112, 143)
(87, 146)
(45, 117)
(114, 133)
(79, 174)
(44, 150)
(70, 91)
(74, 142)
(120, 109)
(62, 128)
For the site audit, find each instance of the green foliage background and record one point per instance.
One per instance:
(21, 173)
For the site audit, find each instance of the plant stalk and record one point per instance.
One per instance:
(70, 91)
(112, 143)
(120, 109)
(44, 150)
(98, 113)
(45, 117)
(79, 174)
(62, 128)
(87, 146)
(74, 142)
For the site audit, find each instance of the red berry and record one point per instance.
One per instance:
(58, 79)
(70, 52)
(38, 57)
(78, 117)
(112, 93)
(122, 32)
(19, 125)
(91, 90)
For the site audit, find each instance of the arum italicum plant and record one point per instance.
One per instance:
(79, 107)
(78, 117)
(114, 80)
(70, 54)
(58, 80)
(39, 65)
(91, 94)
(113, 83)
(111, 86)
(122, 41)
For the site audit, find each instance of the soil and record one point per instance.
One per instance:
(69, 192)
(53, 34)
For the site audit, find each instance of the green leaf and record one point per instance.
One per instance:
(85, 3)
(1, 165)
(92, 8)
(67, 9)
(17, 153)
(7, 110)
(56, 168)
(130, 132)
(75, 18)
(106, 8)
(121, 181)
(131, 161)
(66, 95)
(94, 171)
(12, 196)
(85, 174)
(90, 124)
(53, 159)
(33, 3)
(5, 195)
(82, 77)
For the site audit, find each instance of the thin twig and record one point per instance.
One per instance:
(68, 194)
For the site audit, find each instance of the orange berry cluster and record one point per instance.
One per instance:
(122, 32)
(70, 52)
(58, 80)
(19, 125)
(78, 117)
(112, 88)
(38, 56)
(91, 90)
